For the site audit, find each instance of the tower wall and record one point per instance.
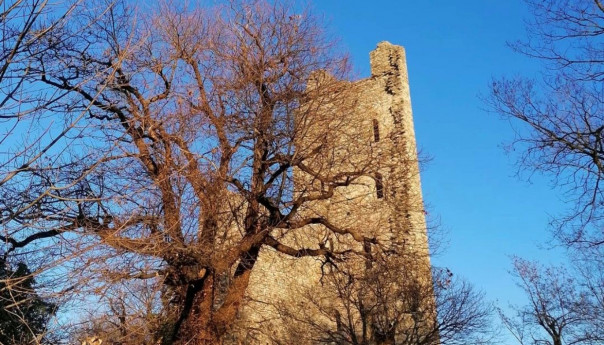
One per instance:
(390, 83)
(386, 204)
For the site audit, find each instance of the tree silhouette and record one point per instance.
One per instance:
(23, 314)
(560, 115)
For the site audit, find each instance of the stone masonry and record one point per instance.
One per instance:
(387, 205)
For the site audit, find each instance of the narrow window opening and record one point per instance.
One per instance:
(367, 250)
(376, 130)
(379, 185)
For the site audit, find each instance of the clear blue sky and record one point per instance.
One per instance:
(454, 48)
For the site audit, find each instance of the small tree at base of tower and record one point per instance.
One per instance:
(387, 304)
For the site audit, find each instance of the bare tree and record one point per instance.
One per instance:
(562, 308)
(386, 302)
(130, 317)
(561, 135)
(589, 268)
(27, 135)
(561, 114)
(182, 169)
(24, 24)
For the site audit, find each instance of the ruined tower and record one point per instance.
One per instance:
(390, 100)
(386, 204)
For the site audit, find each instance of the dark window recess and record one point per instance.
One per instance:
(367, 250)
(379, 185)
(376, 130)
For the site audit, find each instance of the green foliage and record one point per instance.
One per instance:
(23, 314)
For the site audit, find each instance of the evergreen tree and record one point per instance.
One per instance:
(23, 314)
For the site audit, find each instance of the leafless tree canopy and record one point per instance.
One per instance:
(562, 135)
(564, 306)
(385, 303)
(176, 159)
(562, 112)
(26, 136)
(24, 25)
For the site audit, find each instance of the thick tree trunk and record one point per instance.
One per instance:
(201, 321)
(384, 339)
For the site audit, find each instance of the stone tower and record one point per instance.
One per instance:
(386, 204)
(390, 100)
